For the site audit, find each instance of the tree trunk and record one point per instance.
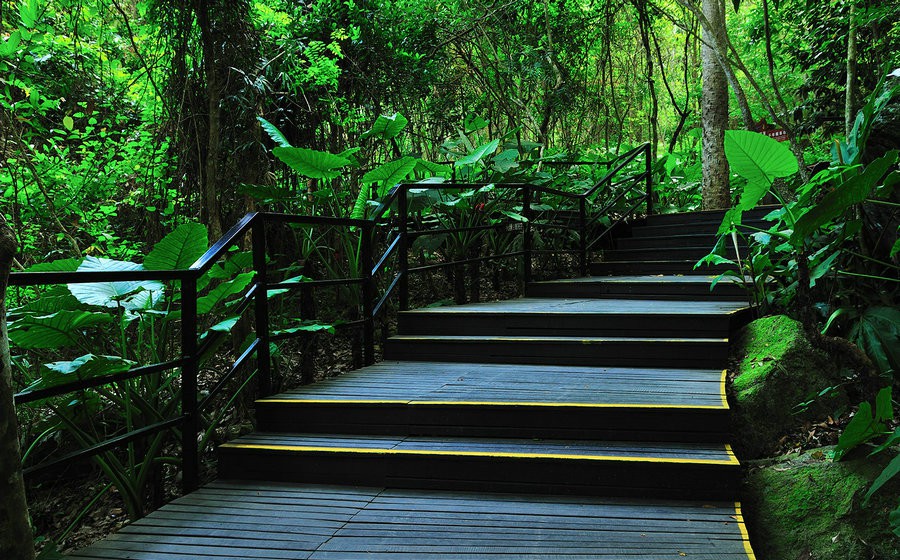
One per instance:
(210, 190)
(714, 111)
(15, 531)
(852, 57)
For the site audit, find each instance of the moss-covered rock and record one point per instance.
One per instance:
(806, 507)
(778, 369)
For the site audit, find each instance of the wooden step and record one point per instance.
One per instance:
(662, 254)
(651, 267)
(694, 228)
(693, 287)
(677, 241)
(662, 470)
(706, 216)
(576, 318)
(607, 351)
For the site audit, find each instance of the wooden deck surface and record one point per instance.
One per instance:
(240, 521)
(452, 383)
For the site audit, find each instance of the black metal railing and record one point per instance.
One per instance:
(397, 228)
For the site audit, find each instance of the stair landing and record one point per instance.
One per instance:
(240, 521)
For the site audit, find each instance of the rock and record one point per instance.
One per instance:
(808, 507)
(778, 369)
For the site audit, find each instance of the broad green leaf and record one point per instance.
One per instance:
(358, 212)
(60, 265)
(436, 169)
(179, 249)
(473, 122)
(223, 291)
(274, 133)
(233, 265)
(877, 333)
(226, 325)
(860, 429)
(514, 216)
(57, 330)
(9, 46)
(896, 248)
(311, 163)
(760, 160)
(308, 326)
(506, 160)
(889, 442)
(889, 472)
(853, 191)
(130, 294)
(68, 122)
(391, 172)
(267, 193)
(386, 126)
(479, 153)
(56, 298)
(350, 154)
(85, 367)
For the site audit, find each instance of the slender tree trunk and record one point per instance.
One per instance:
(16, 540)
(714, 111)
(210, 190)
(852, 57)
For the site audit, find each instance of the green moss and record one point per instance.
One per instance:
(809, 507)
(778, 369)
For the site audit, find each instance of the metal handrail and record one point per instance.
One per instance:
(254, 223)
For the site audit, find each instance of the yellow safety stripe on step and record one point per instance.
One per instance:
(500, 454)
(722, 389)
(456, 338)
(496, 403)
(730, 452)
(743, 528)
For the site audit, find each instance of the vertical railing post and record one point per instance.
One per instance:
(526, 239)
(403, 247)
(648, 168)
(261, 307)
(582, 235)
(190, 461)
(368, 292)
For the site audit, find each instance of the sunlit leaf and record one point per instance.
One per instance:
(311, 163)
(760, 160)
(479, 153)
(223, 291)
(178, 250)
(274, 133)
(386, 126)
(128, 294)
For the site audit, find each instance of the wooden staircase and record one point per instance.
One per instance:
(608, 389)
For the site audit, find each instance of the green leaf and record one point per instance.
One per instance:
(889, 442)
(514, 216)
(473, 122)
(505, 160)
(358, 212)
(9, 46)
(68, 122)
(386, 126)
(178, 250)
(85, 367)
(56, 330)
(274, 133)
(877, 333)
(130, 294)
(311, 163)
(308, 326)
(853, 191)
(391, 172)
(896, 248)
(760, 160)
(226, 325)
(889, 472)
(266, 193)
(223, 291)
(233, 265)
(435, 169)
(858, 430)
(60, 265)
(479, 153)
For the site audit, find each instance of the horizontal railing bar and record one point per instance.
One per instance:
(106, 445)
(313, 284)
(40, 394)
(423, 232)
(227, 377)
(626, 158)
(316, 220)
(610, 228)
(466, 261)
(83, 277)
(555, 251)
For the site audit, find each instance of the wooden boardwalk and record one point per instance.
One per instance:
(587, 420)
(240, 521)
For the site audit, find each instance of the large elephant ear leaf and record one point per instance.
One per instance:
(386, 127)
(311, 163)
(760, 160)
(479, 153)
(128, 294)
(178, 250)
(83, 368)
(60, 329)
